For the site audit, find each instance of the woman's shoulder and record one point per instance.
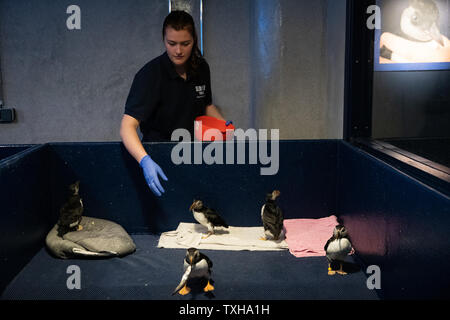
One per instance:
(203, 65)
(152, 67)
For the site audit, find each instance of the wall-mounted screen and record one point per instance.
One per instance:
(414, 35)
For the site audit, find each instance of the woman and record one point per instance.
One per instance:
(168, 93)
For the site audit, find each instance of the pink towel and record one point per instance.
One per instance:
(307, 237)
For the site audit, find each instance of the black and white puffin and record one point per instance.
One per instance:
(420, 21)
(71, 212)
(337, 248)
(272, 217)
(207, 217)
(196, 265)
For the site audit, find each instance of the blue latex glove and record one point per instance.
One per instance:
(228, 122)
(151, 171)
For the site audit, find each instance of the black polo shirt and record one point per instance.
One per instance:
(163, 101)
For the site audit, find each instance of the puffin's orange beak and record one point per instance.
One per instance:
(192, 205)
(190, 259)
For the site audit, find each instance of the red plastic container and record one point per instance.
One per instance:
(205, 123)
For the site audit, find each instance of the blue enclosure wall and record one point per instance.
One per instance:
(395, 222)
(9, 150)
(112, 184)
(24, 208)
(33, 187)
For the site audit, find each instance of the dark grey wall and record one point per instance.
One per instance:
(289, 88)
(279, 64)
(227, 49)
(71, 85)
(335, 62)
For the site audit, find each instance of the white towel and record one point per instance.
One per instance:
(189, 235)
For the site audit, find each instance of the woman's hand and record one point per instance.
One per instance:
(151, 171)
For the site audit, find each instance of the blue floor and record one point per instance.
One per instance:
(153, 273)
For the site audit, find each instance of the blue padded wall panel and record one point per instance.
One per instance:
(24, 209)
(109, 181)
(9, 150)
(397, 223)
(113, 187)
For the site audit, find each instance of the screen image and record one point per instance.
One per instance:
(414, 35)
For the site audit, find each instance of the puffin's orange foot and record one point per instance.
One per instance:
(80, 227)
(340, 271)
(207, 235)
(263, 238)
(184, 291)
(331, 272)
(208, 287)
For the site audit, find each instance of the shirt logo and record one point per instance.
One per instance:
(201, 91)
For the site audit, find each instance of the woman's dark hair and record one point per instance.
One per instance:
(180, 20)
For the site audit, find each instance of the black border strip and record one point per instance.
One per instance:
(359, 44)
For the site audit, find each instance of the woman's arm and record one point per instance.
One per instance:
(213, 111)
(134, 146)
(130, 138)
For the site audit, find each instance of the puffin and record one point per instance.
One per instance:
(196, 265)
(417, 22)
(420, 21)
(272, 217)
(207, 217)
(337, 248)
(71, 212)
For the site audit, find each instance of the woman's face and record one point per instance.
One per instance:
(179, 45)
